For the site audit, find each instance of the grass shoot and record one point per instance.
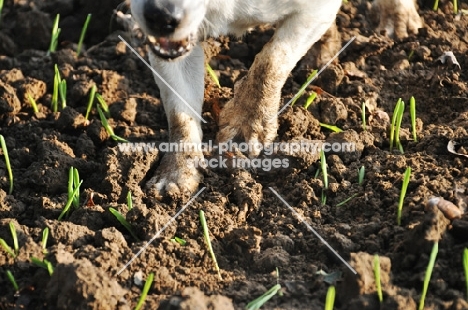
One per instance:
(12, 280)
(14, 236)
(45, 237)
(7, 248)
(206, 234)
(427, 277)
(92, 95)
(1, 9)
(33, 103)
(323, 166)
(304, 86)
(261, 300)
(55, 91)
(69, 201)
(395, 125)
(63, 92)
(82, 35)
(413, 118)
(331, 127)
(212, 75)
(363, 115)
(346, 200)
(55, 34)
(309, 100)
(378, 284)
(7, 163)
(108, 128)
(145, 291)
(330, 299)
(123, 221)
(104, 105)
(465, 267)
(73, 183)
(129, 200)
(179, 241)
(43, 264)
(361, 174)
(406, 178)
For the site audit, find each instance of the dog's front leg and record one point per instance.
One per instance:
(252, 113)
(177, 173)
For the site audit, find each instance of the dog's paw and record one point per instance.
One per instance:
(255, 121)
(398, 18)
(177, 176)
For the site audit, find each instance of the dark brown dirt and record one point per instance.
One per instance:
(252, 231)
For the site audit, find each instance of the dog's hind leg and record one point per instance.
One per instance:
(252, 112)
(177, 173)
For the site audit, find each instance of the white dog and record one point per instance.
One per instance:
(173, 28)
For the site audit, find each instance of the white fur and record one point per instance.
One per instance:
(252, 111)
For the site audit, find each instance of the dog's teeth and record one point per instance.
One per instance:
(181, 49)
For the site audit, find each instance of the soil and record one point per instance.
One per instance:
(253, 232)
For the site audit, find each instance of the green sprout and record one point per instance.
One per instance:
(465, 267)
(309, 100)
(304, 86)
(129, 200)
(323, 166)
(261, 300)
(69, 201)
(43, 264)
(14, 237)
(73, 183)
(55, 34)
(206, 234)
(1, 9)
(377, 277)
(330, 299)
(396, 124)
(32, 102)
(455, 6)
(123, 221)
(104, 105)
(108, 128)
(12, 280)
(55, 91)
(361, 174)
(363, 115)
(45, 237)
(212, 75)
(145, 291)
(413, 118)
(346, 200)
(92, 95)
(406, 179)
(179, 241)
(7, 248)
(63, 92)
(7, 163)
(82, 35)
(331, 127)
(436, 5)
(427, 277)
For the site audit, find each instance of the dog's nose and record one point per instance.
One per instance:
(162, 17)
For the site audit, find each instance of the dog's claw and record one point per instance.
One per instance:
(177, 176)
(398, 18)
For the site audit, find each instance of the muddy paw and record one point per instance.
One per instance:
(177, 176)
(398, 18)
(254, 120)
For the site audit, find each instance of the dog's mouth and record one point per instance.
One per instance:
(170, 49)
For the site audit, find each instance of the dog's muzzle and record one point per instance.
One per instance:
(169, 49)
